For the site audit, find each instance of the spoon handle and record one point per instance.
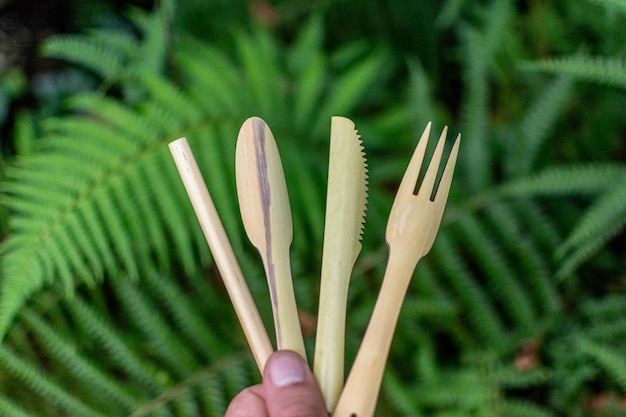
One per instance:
(286, 320)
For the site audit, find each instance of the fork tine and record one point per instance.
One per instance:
(431, 174)
(446, 178)
(409, 180)
(442, 194)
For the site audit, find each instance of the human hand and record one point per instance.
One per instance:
(289, 389)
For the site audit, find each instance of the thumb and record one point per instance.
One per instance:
(290, 387)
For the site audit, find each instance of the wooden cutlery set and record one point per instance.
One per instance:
(265, 210)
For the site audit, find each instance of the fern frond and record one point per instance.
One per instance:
(308, 66)
(82, 194)
(170, 349)
(603, 220)
(609, 359)
(347, 90)
(608, 307)
(104, 53)
(521, 408)
(400, 399)
(172, 101)
(478, 396)
(482, 315)
(618, 6)
(509, 377)
(113, 344)
(533, 263)
(536, 123)
(92, 380)
(186, 319)
(475, 110)
(420, 95)
(604, 318)
(449, 13)
(122, 119)
(311, 202)
(501, 276)
(25, 133)
(589, 179)
(479, 49)
(264, 88)
(201, 378)
(152, 52)
(216, 77)
(8, 409)
(600, 70)
(541, 225)
(37, 381)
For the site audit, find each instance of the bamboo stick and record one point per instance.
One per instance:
(222, 251)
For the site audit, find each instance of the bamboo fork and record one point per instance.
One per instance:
(222, 251)
(411, 230)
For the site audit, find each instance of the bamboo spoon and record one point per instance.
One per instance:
(411, 230)
(266, 215)
(346, 200)
(223, 254)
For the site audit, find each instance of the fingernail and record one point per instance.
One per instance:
(286, 370)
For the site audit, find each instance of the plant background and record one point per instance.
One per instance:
(109, 301)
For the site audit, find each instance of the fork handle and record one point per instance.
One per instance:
(360, 393)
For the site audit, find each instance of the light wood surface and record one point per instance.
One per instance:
(222, 251)
(346, 199)
(266, 215)
(411, 229)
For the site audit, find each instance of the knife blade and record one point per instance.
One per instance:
(346, 204)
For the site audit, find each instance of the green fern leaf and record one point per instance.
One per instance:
(8, 409)
(611, 5)
(170, 349)
(533, 263)
(34, 378)
(449, 13)
(92, 380)
(347, 90)
(502, 277)
(483, 316)
(25, 133)
(187, 320)
(401, 399)
(475, 112)
(106, 59)
(78, 196)
(600, 70)
(217, 79)
(603, 220)
(308, 66)
(604, 316)
(520, 408)
(568, 180)
(610, 360)
(264, 88)
(420, 95)
(113, 343)
(152, 53)
(536, 124)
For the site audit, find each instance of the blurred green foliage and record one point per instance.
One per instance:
(109, 301)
